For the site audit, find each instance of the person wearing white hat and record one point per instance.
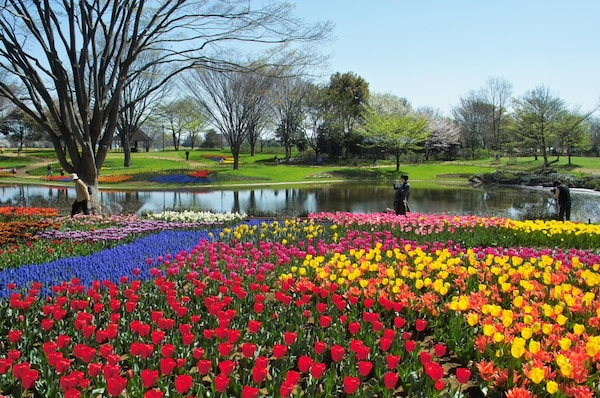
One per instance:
(83, 196)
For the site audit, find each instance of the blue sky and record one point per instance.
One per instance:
(433, 52)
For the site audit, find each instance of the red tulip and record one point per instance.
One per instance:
(5, 365)
(259, 374)
(198, 352)
(183, 383)
(94, 369)
(392, 361)
(377, 326)
(351, 384)
(115, 385)
(320, 347)
(410, 345)
(290, 337)
(463, 375)
(420, 325)
(62, 341)
(225, 349)
(440, 350)
(153, 394)
(317, 369)
(279, 351)
(385, 344)
(249, 392)
(233, 335)
(258, 307)
(304, 363)
(248, 349)
(47, 324)
(364, 368)
(221, 383)
(149, 377)
(286, 389)
(261, 361)
(167, 365)
(254, 326)
(204, 366)
(439, 385)
(292, 377)
(337, 353)
(14, 336)
(425, 357)
(72, 393)
(434, 370)
(167, 350)
(390, 379)
(325, 321)
(353, 327)
(28, 378)
(226, 367)
(157, 337)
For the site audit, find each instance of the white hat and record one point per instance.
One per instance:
(74, 176)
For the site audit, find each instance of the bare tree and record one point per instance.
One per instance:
(498, 94)
(316, 110)
(139, 101)
(73, 59)
(290, 98)
(473, 117)
(234, 102)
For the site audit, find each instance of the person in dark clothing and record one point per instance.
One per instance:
(563, 197)
(402, 188)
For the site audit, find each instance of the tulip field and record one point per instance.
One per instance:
(189, 304)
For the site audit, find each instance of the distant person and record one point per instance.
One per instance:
(402, 188)
(50, 171)
(83, 196)
(187, 155)
(62, 171)
(563, 197)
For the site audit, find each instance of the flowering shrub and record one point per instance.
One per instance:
(309, 307)
(203, 217)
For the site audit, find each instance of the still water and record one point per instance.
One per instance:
(500, 201)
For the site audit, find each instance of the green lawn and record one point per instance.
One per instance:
(262, 169)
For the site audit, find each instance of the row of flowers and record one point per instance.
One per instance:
(474, 230)
(307, 307)
(26, 242)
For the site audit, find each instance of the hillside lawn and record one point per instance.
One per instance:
(261, 169)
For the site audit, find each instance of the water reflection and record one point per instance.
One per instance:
(513, 202)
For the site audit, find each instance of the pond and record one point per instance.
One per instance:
(499, 201)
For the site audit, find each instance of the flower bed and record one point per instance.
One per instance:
(333, 305)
